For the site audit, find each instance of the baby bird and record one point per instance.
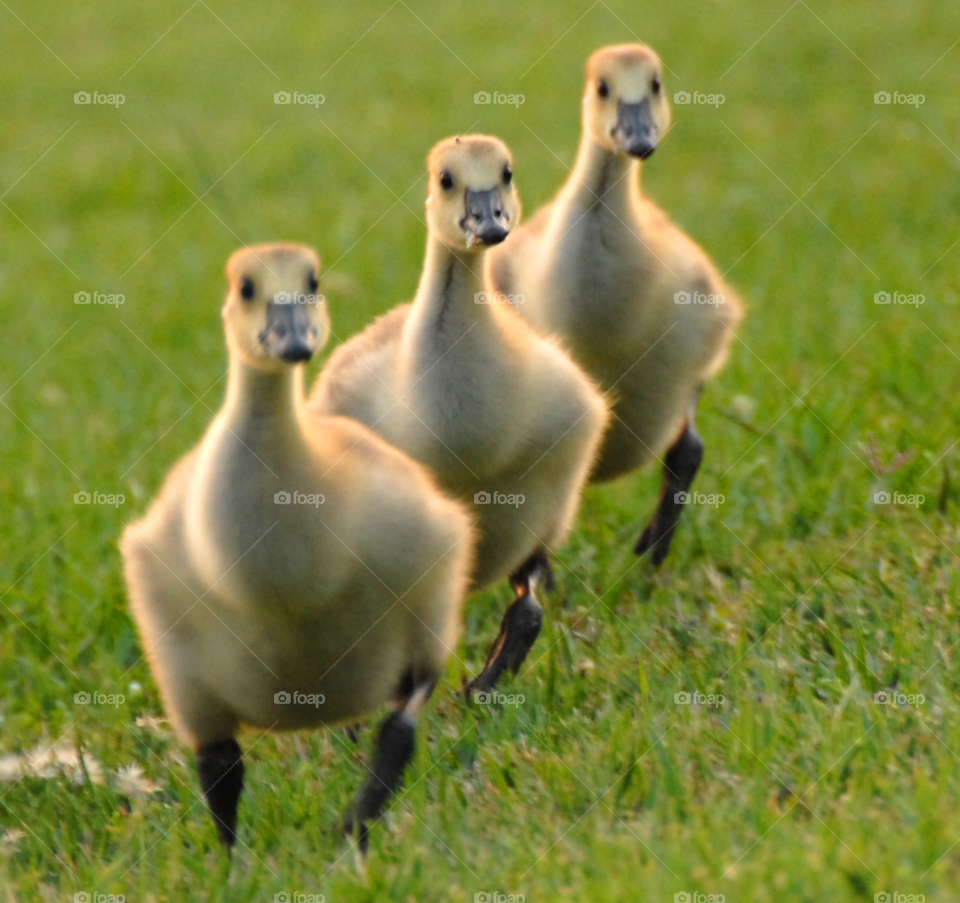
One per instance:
(638, 303)
(295, 570)
(503, 417)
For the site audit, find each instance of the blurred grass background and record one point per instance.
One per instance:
(798, 788)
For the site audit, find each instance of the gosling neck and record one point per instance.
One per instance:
(267, 397)
(449, 291)
(600, 176)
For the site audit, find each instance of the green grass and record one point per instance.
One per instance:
(797, 599)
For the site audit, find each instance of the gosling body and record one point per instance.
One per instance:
(295, 570)
(503, 417)
(636, 301)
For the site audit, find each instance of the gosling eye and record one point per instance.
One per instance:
(312, 283)
(603, 89)
(247, 289)
(507, 174)
(656, 84)
(446, 180)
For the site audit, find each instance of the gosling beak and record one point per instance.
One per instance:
(486, 221)
(636, 132)
(290, 335)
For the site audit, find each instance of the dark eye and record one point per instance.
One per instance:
(446, 181)
(312, 283)
(507, 174)
(656, 84)
(247, 291)
(603, 89)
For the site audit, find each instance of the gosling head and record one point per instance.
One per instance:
(273, 314)
(472, 203)
(625, 108)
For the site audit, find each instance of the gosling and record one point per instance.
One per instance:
(504, 418)
(295, 570)
(639, 305)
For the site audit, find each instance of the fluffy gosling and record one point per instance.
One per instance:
(295, 570)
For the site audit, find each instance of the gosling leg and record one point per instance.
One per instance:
(520, 626)
(680, 468)
(220, 767)
(396, 743)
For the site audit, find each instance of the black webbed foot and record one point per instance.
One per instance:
(220, 767)
(520, 626)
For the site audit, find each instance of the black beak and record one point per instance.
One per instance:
(290, 335)
(636, 132)
(486, 219)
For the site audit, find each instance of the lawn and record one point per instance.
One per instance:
(792, 603)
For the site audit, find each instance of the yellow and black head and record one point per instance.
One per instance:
(274, 315)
